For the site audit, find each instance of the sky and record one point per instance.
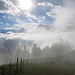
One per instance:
(42, 21)
(13, 12)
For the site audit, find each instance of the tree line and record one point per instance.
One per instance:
(57, 49)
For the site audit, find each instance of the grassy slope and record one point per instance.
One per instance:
(42, 69)
(48, 66)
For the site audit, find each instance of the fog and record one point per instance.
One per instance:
(40, 40)
(13, 48)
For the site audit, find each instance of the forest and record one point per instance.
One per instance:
(35, 52)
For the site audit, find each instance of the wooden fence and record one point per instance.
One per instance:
(19, 66)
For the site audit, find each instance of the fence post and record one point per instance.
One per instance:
(16, 67)
(35, 61)
(10, 68)
(27, 62)
(21, 65)
(2, 70)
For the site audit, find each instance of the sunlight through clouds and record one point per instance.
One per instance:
(25, 4)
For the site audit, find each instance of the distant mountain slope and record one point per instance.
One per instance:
(70, 56)
(22, 30)
(60, 48)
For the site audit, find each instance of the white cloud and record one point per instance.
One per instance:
(63, 15)
(46, 4)
(6, 6)
(19, 21)
(11, 28)
(27, 26)
(57, 10)
(39, 35)
(42, 37)
(41, 19)
(30, 17)
(30, 20)
(32, 27)
(7, 24)
(1, 23)
(51, 14)
(4, 16)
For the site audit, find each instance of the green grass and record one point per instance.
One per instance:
(41, 69)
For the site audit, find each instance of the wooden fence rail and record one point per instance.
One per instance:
(19, 66)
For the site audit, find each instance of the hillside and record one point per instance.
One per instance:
(70, 56)
(38, 69)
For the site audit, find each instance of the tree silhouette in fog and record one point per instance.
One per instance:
(60, 48)
(46, 52)
(25, 53)
(36, 51)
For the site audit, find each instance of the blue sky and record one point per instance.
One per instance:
(36, 13)
(43, 21)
